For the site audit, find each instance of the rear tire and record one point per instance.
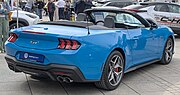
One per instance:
(14, 25)
(167, 52)
(113, 72)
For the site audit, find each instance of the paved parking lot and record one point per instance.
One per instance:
(154, 79)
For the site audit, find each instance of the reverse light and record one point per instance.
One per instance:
(68, 44)
(12, 37)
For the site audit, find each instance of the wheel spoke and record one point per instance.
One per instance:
(114, 80)
(117, 73)
(110, 73)
(112, 77)
(117, 66)
(167, 56)
(115, 59)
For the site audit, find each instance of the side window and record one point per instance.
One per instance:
(120, 4)
(111, 4)
(174, 9)
(162, 8)
(127, 18)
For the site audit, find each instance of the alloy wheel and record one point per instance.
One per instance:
(169, 50)
(115, 70)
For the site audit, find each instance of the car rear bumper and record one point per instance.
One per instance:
(51, 70)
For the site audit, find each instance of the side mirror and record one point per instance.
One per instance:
(153, 26)
(152, 23)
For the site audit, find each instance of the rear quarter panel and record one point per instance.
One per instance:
(100, 43)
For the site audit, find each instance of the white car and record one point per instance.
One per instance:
(119, 3)
(25, 19)
(163, 13)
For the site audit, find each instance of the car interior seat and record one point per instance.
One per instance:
(109, 22)
(81, 17)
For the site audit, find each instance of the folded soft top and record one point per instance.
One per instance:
(81, 24)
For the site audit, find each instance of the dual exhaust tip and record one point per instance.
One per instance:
(64, 79)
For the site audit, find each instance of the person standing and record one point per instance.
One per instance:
(80, 6)
(45, 9)
(4, 23)
(56, 12)
(40, 4)
(67, 10)
(51, 9)
(89, 4)
(29, 5)
(60, 5)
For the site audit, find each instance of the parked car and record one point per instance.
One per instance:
(86, 51)
(164, 13)
(119, 3)
(116, 3)
(25, 19)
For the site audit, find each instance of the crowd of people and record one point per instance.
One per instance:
(58, 10)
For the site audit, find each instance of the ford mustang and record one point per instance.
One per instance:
(101, 46)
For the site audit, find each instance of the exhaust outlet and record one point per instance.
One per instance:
(68, 80)
(60, 78)
(64, 79)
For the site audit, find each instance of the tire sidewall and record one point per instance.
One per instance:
(13, 24)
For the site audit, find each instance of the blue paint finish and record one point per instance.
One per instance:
(139, 45)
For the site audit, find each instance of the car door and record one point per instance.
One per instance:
(160, 12)
(143, 42)
(175, 15)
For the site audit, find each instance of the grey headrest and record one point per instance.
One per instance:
(109, 22)
(81, 17)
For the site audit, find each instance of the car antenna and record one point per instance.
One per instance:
(87, 24)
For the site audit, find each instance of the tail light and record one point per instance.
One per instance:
(68, 44)
(12, 37)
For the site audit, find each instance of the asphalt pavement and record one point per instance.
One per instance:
(154, 79)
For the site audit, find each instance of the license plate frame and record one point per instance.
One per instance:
(31, 57)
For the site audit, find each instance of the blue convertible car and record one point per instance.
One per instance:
(102, 45)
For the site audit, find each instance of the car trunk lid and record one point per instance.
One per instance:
(45, 37)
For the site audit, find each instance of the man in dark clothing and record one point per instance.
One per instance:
(89, 4)
(80, 6)
(40, 4)
(51, 9)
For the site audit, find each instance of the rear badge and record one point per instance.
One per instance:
(34, 42)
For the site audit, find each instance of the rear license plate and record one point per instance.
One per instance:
(31, 57)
